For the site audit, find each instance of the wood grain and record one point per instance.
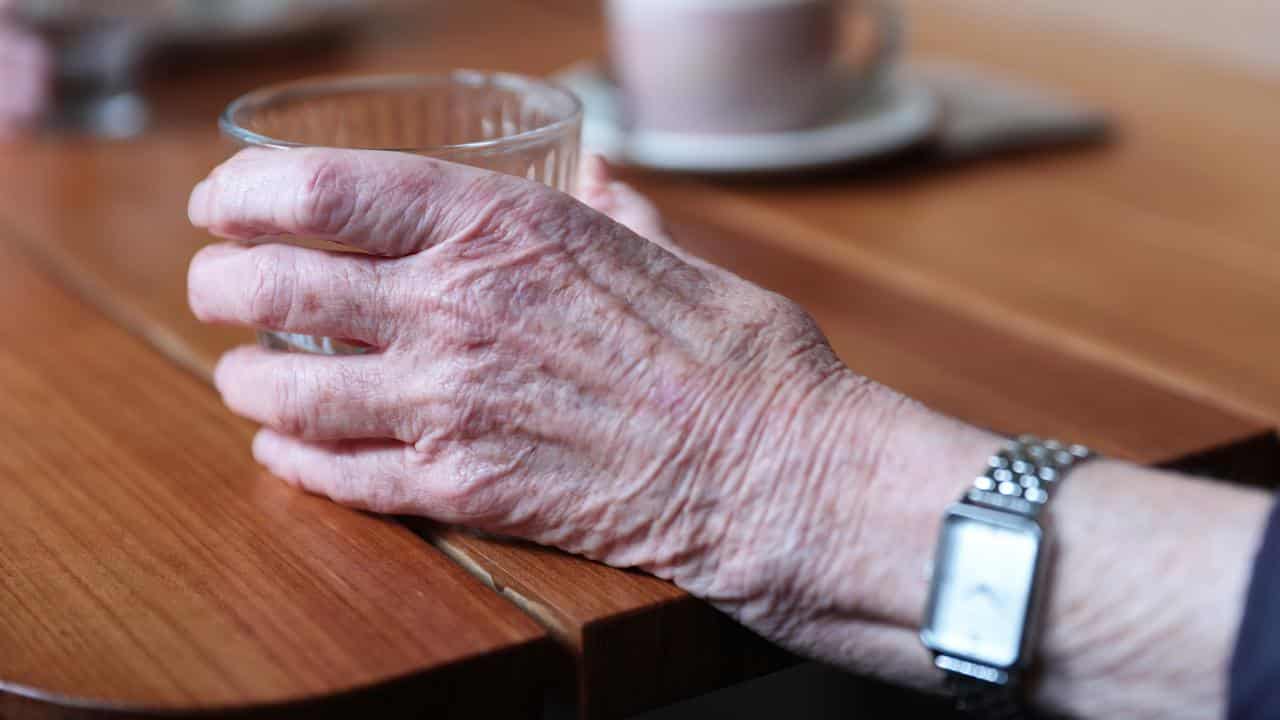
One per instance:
(147, 566)
(1100, 296)
(962, 365)
(635, 642)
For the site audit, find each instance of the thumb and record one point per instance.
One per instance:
(621, 202)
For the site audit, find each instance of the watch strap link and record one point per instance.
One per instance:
(979, 699)
(1023, 475)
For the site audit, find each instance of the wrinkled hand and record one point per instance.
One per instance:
(24, 76)
(540, 370)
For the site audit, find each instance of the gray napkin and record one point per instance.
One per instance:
(985, 113)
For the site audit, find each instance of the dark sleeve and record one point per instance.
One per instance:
(1254, 683)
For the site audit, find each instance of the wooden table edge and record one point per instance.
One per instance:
(521, 665)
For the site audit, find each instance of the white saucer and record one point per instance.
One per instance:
(899, 113)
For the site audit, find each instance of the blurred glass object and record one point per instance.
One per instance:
(233, 21)
(98, 47)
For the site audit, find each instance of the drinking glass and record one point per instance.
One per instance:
(97, 49)
(503, 122)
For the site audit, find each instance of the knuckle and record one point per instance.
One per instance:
(464, 471)
(327, 198)
(355, 387)
(355, 276)
(494, 482)
(476, 301)
(511, 210)
(270, 300)
(391, 302)
(462, 495)
(774, 324)
(548, 214)
(384, 493)
(346, 485)
(472, 320)
(290, 412)
(788, 314)
(372, 289)
(463, 315)
(469, 419)
(453, 414)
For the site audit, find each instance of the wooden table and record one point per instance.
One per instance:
(1121, 296)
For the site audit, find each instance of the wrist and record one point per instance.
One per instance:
(884, 526)
(1141, 619)
(838, 542)
(768, 548)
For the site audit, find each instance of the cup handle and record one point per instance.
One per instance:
(889, 31)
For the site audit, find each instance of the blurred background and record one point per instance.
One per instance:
(1080, 188)
(1232, 31)
(100, 49)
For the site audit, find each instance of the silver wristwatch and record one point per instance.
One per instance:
(988, 575)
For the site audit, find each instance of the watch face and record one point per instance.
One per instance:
(982, 589)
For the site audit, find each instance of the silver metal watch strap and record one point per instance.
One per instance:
(1023, 475)
(1020, 478)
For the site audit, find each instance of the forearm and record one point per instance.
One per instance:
(1146, 589)
(1150, 583)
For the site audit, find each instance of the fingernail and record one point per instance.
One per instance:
(220, 377)
(595, 170)
(229, 375)
(263, 443)
(201, 282)
(197, 206)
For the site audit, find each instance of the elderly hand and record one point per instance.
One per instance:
(540, 370)
(25, 68)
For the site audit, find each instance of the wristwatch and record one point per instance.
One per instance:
(988, 575)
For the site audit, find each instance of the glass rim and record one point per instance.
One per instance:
(317, 86)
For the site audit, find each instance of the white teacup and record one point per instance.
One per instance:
(739, 66)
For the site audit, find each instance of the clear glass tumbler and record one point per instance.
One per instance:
(97, 50)
(507, 123)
